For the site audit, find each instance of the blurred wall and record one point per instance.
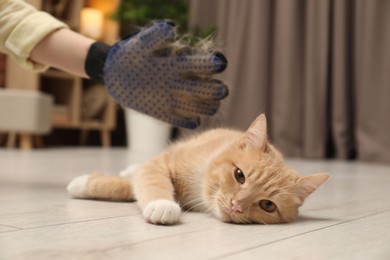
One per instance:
(320, 70)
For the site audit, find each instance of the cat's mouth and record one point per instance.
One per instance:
(229, 216)
(225, 214)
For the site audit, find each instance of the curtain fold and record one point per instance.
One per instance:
(320, 70)
(372, 79)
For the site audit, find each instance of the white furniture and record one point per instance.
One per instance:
(146, 136)
(24, 112)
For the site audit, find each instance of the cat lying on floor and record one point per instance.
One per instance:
(237, 176)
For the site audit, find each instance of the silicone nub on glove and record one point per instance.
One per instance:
(145, 73)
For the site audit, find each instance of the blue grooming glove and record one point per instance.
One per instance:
(143, 73)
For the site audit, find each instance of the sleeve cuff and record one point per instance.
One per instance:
(27, 34)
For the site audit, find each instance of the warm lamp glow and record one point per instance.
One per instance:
(91, 22)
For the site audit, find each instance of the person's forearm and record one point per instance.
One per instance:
(63, 49)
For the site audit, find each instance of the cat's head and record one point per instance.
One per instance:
(250, 183)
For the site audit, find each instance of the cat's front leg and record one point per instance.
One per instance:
(155, 193)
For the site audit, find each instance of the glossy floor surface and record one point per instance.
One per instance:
(347, 218)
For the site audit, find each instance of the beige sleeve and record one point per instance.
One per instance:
(21, 28)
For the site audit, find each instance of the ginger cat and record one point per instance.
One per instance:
(238, 177)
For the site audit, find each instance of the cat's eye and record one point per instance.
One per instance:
(267, 206)
(239, 175)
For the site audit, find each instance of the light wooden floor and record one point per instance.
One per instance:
(348, 218)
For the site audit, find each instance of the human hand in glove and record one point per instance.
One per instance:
(143, 73)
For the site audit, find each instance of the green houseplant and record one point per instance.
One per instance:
(134, 13)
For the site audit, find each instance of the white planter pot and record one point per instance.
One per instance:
(146, 136)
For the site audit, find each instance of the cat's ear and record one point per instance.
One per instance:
(256, 135)
(308, 184)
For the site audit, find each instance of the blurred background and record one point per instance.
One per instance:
(320, 70)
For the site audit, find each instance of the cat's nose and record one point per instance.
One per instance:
(237, 207)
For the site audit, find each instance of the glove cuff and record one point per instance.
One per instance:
(94, 63)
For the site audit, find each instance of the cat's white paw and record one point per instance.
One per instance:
(162, 211)
(130, 170)
(78, 186)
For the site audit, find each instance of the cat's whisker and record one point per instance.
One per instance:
(202, 185)
(195, 180)
(200, 203)
(209, 209)
(210, 187)
(196, 205)
(191, 201)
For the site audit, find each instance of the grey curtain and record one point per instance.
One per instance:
(320, 70)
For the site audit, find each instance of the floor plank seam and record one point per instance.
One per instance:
(9, 227)
(68, 223)
(149, 240)
(297, 235)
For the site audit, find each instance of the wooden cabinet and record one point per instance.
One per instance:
(69, 92)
